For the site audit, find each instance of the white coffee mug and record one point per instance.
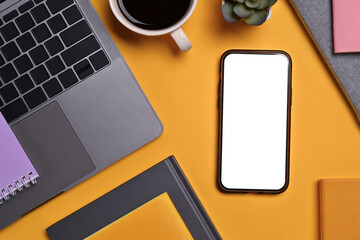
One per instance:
(175, 30)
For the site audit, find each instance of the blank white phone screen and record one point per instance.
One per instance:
(254, 132)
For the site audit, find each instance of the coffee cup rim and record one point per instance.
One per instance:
(122, 19)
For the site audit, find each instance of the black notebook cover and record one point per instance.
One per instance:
(166, 176)
(317, 18)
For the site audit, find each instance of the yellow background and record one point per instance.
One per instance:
(182, 88)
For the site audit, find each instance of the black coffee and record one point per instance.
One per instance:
(154, 14)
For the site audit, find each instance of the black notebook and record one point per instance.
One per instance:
(317, 18)
(165, 177)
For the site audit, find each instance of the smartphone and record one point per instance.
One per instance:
(255, 98)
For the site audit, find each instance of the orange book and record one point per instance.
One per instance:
(156, 219)
(340, 209)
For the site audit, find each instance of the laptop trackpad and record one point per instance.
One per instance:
(55, 151)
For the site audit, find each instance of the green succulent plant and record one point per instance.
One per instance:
(253, 12)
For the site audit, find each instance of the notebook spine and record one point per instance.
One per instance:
(17, 186)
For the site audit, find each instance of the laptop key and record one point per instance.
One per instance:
(75, 33)
(72, 15)
(1, 41)
(23, 64)
(40, 13)
(10, 51)
(55, 65)
(24, 84)
(25, 42)
(25, 22)
(8, 93)
(54, 45)
(39, 74)
(52, 87)
(1, 103)
(8, 73)
(56, 23)
(83, 69)
(56, 5)
(99, 60)
(41, 33)
(39, 55)
(9, 31)
(2, 61)
(80, 50)
(35, 98)
(26, 6)
(11, 15)
(14, 110)
(68, 78)
(38, 1)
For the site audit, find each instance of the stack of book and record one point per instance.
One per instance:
(334, 29)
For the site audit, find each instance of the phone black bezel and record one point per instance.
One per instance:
(220, 102)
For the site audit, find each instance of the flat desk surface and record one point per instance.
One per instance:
(182, 88)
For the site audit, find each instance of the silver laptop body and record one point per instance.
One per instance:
(83, 113)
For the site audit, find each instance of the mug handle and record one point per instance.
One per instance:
(181, 39)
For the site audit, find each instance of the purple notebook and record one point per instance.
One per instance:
(16, 170)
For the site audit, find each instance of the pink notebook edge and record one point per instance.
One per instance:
(338, 25)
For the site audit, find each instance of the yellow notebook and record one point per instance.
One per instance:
(340, 209)
(156, 219)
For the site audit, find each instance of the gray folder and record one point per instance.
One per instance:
(317, 18)
(163, 177)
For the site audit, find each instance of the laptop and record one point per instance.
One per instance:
(68, 95)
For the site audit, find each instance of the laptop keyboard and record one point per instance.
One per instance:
(46, 47)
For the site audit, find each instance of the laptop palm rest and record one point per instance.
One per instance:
(57, 154)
